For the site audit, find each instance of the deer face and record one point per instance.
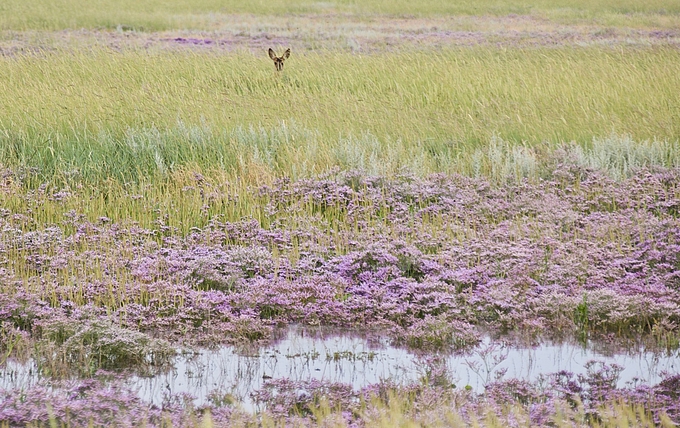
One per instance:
(278, 61)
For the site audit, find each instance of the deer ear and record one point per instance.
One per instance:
(272, 55)
(286, 54)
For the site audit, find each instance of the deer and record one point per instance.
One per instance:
(278, 61)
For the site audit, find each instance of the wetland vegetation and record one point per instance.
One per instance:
(427, 175)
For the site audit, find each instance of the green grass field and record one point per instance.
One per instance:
(154, 15)
(126, 115)
(81, 112)
(109, 120)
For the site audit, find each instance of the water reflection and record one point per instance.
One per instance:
(298, 356)
(303, 354)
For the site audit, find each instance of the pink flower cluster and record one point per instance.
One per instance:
(426, 260)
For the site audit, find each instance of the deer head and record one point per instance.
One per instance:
(278, 61)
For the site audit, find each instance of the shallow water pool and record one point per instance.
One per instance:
(302, 354)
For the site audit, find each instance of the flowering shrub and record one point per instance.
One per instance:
(425, 260)
(541, 403)
(575, 251)
(560, 398)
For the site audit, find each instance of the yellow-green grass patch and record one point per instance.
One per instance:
(101, 114)
(154, 15)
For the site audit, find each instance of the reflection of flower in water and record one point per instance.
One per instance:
(489, 357)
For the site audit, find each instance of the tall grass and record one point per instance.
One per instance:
(153, 15)
(189, 196)
(98, 115)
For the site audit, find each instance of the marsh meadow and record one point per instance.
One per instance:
(425, 183)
